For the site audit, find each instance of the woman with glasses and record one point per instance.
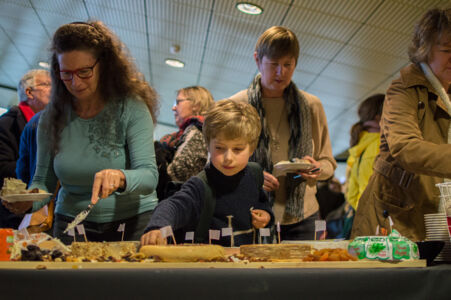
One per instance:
(96, 136)
(186, 151)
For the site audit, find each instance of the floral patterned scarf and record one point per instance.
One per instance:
(172, 141)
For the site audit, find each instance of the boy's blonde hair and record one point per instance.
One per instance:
(232, 119)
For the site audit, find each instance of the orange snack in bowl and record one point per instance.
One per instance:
(6, 242)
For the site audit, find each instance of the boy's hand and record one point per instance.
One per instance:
(153, 237)
(260, 218)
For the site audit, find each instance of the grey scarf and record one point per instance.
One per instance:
(300, 142)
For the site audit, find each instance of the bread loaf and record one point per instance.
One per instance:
(184, 253)
(275, 251)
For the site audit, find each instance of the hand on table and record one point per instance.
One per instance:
(260, 218)
(105, 183)
(153, 237)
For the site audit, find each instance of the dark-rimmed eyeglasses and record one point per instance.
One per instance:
(43, 84)
(83, 73)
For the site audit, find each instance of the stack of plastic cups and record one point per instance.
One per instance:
(438, 226)
(445, 197)
(445, 202)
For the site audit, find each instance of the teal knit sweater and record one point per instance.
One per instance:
(119, 137)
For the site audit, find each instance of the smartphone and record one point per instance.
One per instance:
(314, 170)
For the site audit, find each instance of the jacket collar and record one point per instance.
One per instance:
(412, 76)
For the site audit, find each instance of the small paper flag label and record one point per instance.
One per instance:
(166, 231)
(121, 227)
(226, 231)
(81, 229)
(265, 232)
(214, 234)
(377, 230)
(320, 225)
(71, 232)
(391, 221)
(278, 226)
(189, 236)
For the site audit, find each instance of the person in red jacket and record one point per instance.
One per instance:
(33, 92)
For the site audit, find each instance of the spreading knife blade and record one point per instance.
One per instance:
(79, 218)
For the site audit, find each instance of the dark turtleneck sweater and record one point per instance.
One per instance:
(235, 195)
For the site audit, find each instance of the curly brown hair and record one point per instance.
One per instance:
(119, 77)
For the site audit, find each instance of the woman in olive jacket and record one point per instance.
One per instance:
(415, 151)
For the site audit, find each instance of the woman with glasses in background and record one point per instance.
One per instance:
(96, 135)
(184, 153)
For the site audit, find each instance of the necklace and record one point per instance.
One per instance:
(275, 142)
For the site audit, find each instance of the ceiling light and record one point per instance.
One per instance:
(44, 64)
(174, 63)
(174, 49)
(249, 8)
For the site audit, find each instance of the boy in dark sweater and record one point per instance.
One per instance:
(231, 131)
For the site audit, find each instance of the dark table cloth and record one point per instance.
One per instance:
(395, 283)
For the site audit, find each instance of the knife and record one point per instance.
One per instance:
(79, 218)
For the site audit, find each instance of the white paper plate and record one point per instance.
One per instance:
(26, 197)
(293, 166)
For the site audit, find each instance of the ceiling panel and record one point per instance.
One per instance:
(350, 49)
(355, 10)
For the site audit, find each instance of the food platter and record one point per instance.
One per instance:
(26, 197)
(212, 265)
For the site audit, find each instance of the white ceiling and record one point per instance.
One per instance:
(350, 49)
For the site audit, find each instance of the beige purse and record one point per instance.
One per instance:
(42, 219)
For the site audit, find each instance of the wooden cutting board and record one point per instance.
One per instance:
(213, 265)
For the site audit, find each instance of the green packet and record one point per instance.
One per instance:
(388, 248)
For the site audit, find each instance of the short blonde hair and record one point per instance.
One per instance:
(199, 96)
(277, 42)
(232, 119)
(427, 32)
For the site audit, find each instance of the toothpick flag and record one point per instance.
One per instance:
(121, 228)
(189, 236)
(265, 232)
(166, 231)
(227, 231)
(81, 231)
(214, 234)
